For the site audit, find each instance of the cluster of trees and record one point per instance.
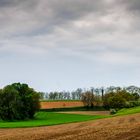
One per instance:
(113, 97)
(121, 98)
(18, 102)
(90, 99)
(110, 97)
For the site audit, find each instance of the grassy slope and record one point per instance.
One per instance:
(51, 118)
(127, 111)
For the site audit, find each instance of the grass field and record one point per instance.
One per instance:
(51, 118)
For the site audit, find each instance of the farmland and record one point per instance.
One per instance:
(89, 118)
(60, 104)
(114, 128)
(70, 70)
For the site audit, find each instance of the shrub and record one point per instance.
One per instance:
(118, 99)
(106, 102)
(18, 102)
(113, 111)
(117, 102)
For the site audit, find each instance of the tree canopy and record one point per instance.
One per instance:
(18, 102)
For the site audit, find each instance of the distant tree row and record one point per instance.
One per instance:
(19, 101)
(64, 95)
(78, 93)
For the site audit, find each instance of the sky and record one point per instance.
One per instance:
(66, 44)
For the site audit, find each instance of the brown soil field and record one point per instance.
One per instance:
(88, 112)
(116, 128)
(60, 104)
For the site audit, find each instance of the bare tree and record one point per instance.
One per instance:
(88, 98)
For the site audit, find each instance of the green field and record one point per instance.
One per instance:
(52, 118)
(49, 118)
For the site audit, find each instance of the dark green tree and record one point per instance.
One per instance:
(117, 99)
(18, 102)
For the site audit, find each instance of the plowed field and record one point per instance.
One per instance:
(116, 128)
(61, 104)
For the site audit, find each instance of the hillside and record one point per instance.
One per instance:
(121, 127)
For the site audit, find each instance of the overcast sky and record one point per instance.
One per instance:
(66, 44)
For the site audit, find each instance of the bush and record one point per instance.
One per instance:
(117, 102)
(118, 99)
(18, 102)
(113, 111)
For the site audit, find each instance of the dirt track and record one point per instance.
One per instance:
(117, 128)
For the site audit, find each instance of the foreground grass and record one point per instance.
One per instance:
(49, 118)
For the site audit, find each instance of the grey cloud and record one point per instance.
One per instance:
(16, 3)
(91, 21)
(130, 5)
(49, 37)
(7, 3)
(41, 15)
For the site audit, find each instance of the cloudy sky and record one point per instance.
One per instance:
(66, 44)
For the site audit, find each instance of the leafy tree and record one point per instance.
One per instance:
(106, 99)
(117, 101)
(117, 98)
(18, 102)
(136, 96)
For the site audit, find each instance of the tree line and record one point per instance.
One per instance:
(20, 102)
(113, 98)
(78, 93)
